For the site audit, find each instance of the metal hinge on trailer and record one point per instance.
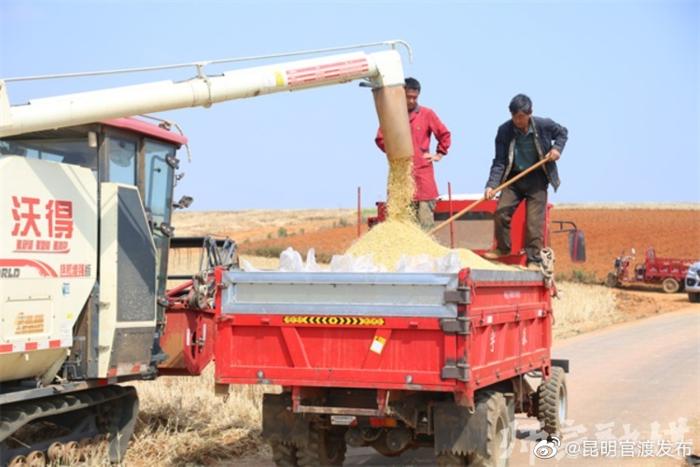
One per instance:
(459, 325)
(460, 296)
(458, 370)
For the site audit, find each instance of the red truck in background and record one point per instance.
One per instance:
(394, 361)
(669, 272)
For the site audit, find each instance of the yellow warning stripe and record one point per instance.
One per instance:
(334, 320)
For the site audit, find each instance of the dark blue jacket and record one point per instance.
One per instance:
(548, 134)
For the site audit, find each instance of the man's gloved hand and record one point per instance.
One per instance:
(489, 193)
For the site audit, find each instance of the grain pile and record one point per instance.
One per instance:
(387, 242)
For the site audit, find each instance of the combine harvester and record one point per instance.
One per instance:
(389, 360)
(85, 209)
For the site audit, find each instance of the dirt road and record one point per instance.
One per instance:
(631, 386)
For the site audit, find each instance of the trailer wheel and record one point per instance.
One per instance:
(694, 297)
(284, 455)
(499, 433)
(552, 401)
(670, 285)
(380, 446)
(325, 447)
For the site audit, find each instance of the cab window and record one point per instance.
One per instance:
(122, 160)
(158, 178)
(66, 150)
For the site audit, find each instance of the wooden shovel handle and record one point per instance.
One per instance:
(496, 190)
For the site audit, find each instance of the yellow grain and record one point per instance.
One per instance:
(400, 189)
(390, 240)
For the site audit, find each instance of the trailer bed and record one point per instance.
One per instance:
(412, 331)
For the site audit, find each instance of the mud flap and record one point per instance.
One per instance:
(280, 424)
(457, 431)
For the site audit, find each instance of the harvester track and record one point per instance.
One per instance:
(85, 420)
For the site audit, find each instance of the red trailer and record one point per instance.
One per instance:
(391, 360)
(669, 272)
(394, 361)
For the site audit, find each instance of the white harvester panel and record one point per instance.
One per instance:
(48, 242)
(127, 317)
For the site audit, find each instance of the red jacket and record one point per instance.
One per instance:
(424, 122)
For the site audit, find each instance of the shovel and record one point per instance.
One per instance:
(496, 190)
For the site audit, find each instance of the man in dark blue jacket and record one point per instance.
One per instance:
(521, 142)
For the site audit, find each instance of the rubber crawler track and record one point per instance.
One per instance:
(16, 415)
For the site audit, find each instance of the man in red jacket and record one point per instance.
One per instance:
(424, 122)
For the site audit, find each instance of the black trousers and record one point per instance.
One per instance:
(533, 189)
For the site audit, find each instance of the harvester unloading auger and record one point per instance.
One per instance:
(85, 204)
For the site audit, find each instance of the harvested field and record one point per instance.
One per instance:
(326, 241)
(628, 206)
(181, 422)
(582, 307)
(673, 233)
(258, 224)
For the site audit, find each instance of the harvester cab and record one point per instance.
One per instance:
(126, 151)
(86, 214)
(105, 187)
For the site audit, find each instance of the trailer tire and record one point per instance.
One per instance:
(500, 431)
(670, 285)
(284, 455)
(499, 435)
(694, 297)
(324, 447)
(380, 446)
(552, 401)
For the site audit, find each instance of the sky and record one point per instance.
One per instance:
(622, 76)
